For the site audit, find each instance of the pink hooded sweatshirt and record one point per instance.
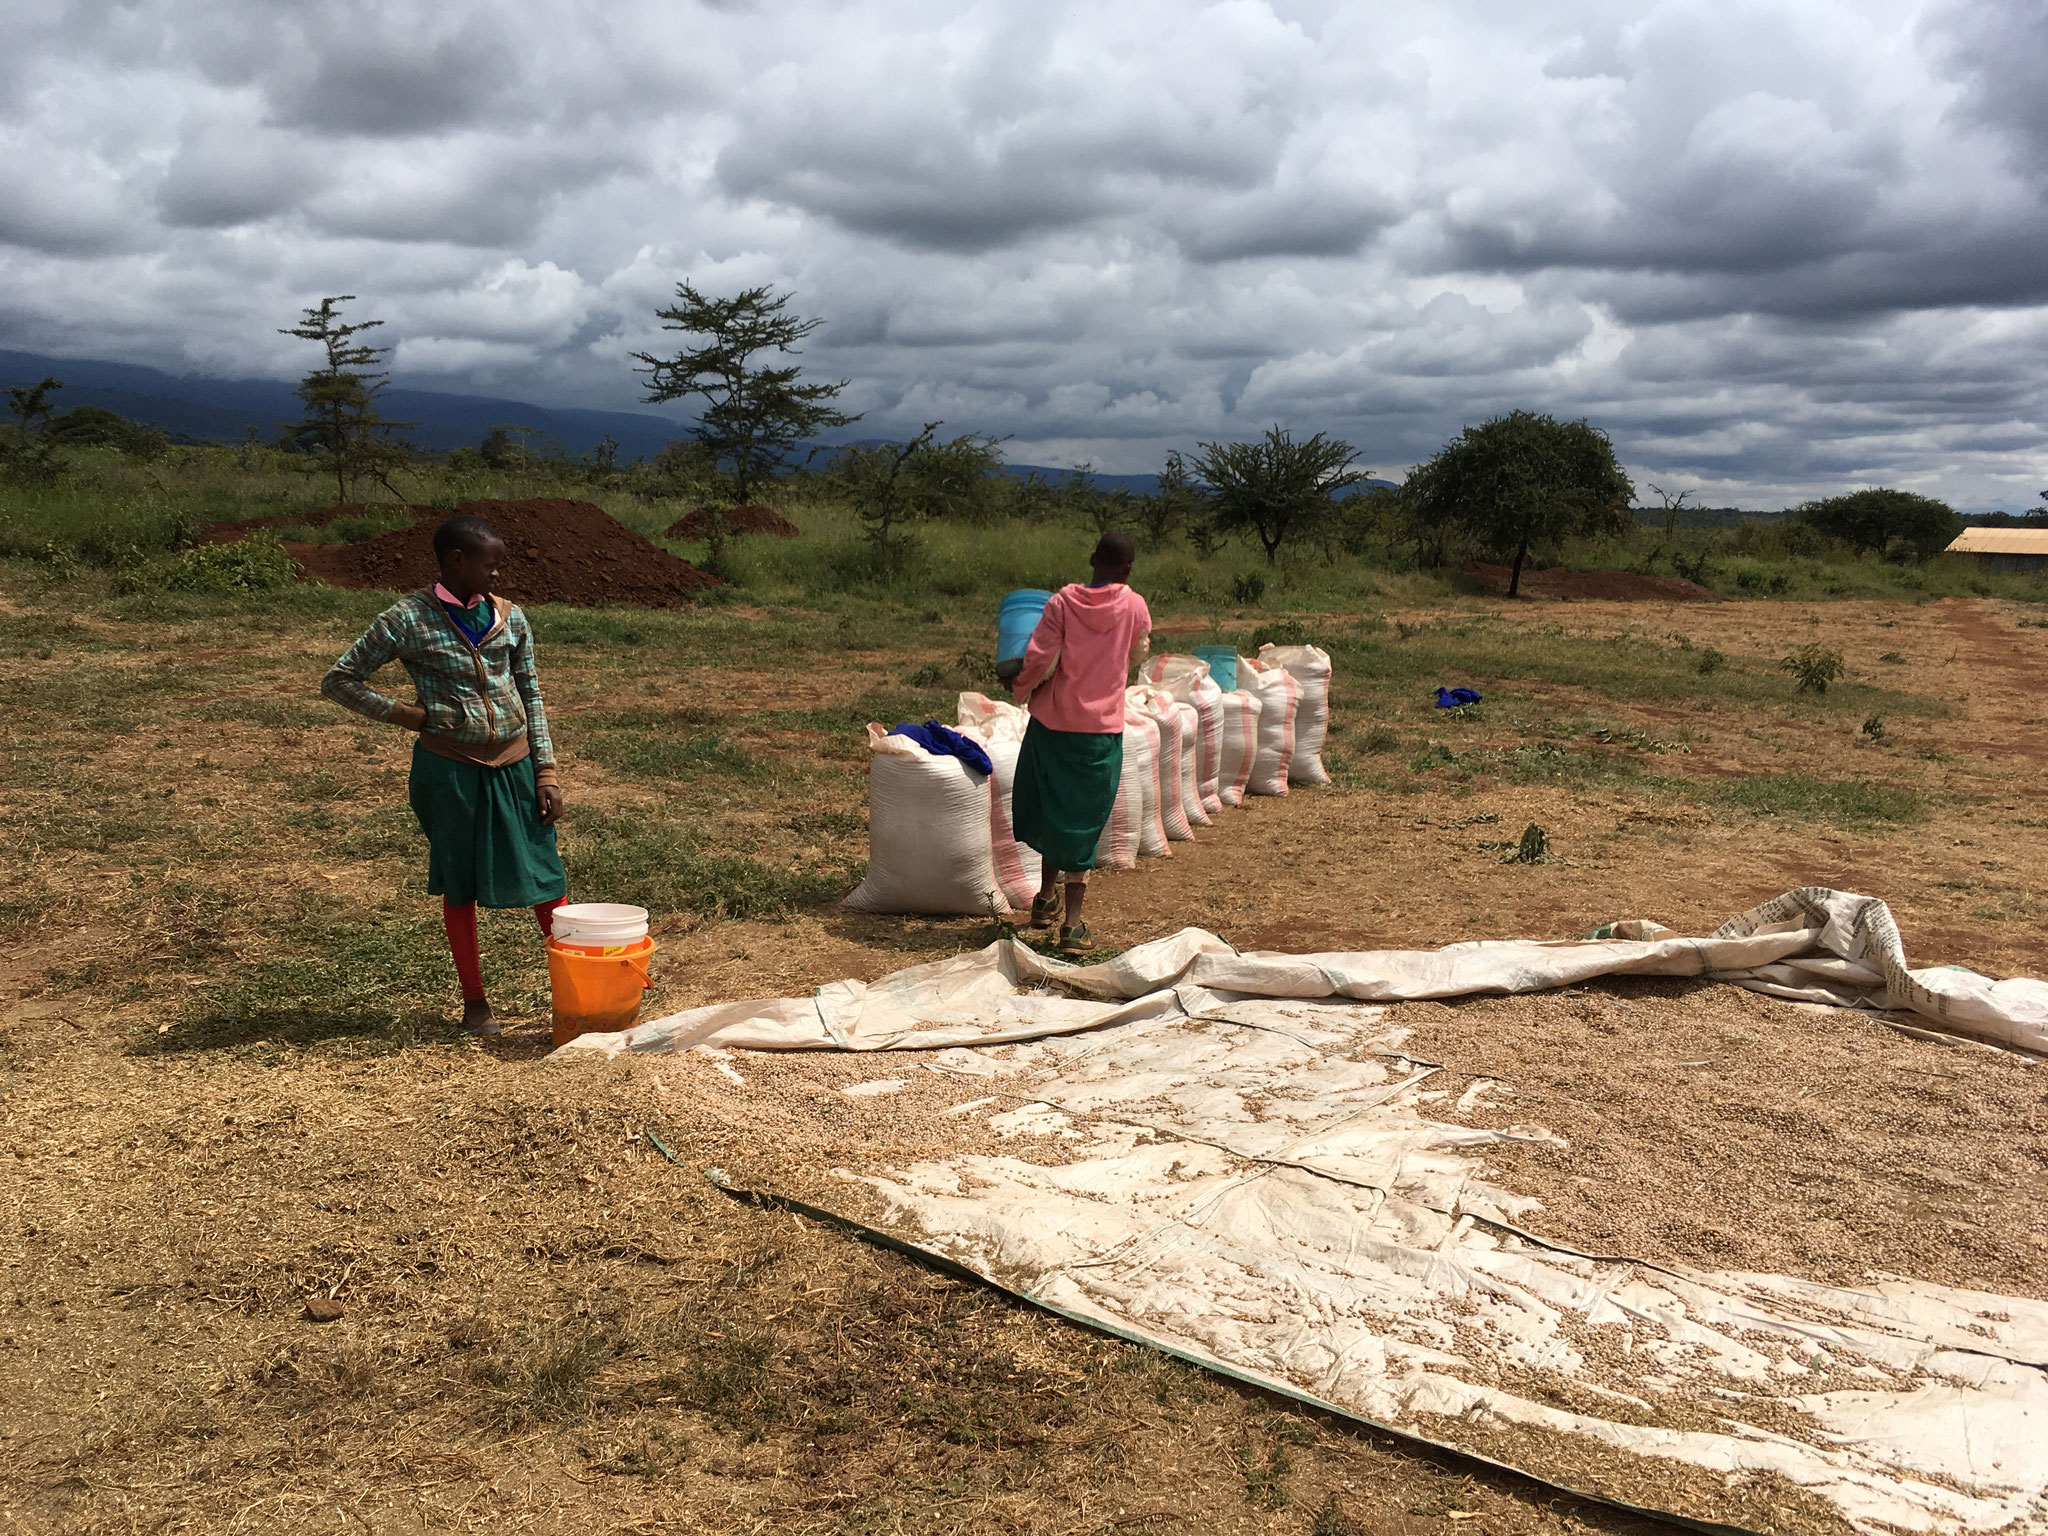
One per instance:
(1080, 658)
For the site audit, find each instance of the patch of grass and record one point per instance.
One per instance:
(647, 745)
(1848, 803)
(1265, 1475)
(348, 530)
(553, 1380)
(1381, 739)
(971, 670)
(888, 707)
(23, 906)
(38, 636)
(1415, 659)
(559, 625)
(1544, 762)
(377, 982)
(276, 713)
(656, 863)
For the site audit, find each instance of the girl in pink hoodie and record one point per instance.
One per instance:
(1075, 671)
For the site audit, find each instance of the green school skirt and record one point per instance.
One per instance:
(1065, 791)
(484, 838)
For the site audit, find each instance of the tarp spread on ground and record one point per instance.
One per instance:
(1232, 1156)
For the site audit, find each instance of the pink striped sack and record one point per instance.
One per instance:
(1279, 697)
(1187, 679)
(1190, 785)
(1237, 737)
(1133, 830)
(1157, 705)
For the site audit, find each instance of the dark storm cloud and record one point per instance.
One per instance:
(1769, 244)
(352, 75)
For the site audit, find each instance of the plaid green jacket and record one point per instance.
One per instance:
(483, 695)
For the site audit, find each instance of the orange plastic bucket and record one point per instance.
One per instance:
(597, 992)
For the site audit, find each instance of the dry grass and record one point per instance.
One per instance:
(232, 1084)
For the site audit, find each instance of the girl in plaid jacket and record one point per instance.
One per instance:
(483, 769)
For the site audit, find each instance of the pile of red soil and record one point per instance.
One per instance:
(754, 519)
(1564, 585)
(555, 552)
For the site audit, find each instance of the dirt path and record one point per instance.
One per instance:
(1999, 669)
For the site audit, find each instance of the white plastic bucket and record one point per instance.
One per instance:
(600, 923)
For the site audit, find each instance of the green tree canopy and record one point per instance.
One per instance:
(342, 428)
(753, 415)
(1901, 524)
(1521, 481)
(1274, 488)
(94, 426)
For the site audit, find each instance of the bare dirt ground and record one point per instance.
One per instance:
(230, 1085)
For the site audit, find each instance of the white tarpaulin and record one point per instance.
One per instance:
(1246, 1172)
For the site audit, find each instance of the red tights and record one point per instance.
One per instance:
(461, 925)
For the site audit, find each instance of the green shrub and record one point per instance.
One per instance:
(1814, 665)
(255, 564)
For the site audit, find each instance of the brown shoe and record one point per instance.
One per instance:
(1076, 941)
(1045, 910)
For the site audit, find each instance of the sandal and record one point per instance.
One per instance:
(1076, 940)
(1045, 910)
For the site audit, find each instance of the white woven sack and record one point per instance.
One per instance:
(1310, 669)
(1158, 706)
(928, 841)
(1190, 749)
(1237, 738)
(1187, 679)
(1000, 727)
(1279, 696)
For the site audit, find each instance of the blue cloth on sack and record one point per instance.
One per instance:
(944, 741)
(1455, 698)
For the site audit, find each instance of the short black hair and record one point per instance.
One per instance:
(464, 531)
(1113, 551)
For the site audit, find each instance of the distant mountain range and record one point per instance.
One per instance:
(206, 410)
(222, 410)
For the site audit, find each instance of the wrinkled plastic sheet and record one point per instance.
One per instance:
(1250, 1174)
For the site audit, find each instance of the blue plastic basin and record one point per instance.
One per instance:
(1015, 620)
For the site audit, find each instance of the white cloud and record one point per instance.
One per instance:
(1771, 245)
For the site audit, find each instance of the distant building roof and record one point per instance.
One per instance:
(2001, 541)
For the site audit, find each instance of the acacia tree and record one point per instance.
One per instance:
(1901, 524)
(753, 415)
(893, 485)
(1521, 480)
(342, 427)
(1275, 488)
(31, 458)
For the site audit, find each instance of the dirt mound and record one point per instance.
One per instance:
(556, 552)
(1564, 585)
(697, 524)
(227, 533)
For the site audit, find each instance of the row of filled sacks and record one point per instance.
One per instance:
(940, 834)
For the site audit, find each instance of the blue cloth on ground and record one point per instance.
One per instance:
(944, 741)
(1455, 698)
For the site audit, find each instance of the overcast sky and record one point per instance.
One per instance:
(1775, 249)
